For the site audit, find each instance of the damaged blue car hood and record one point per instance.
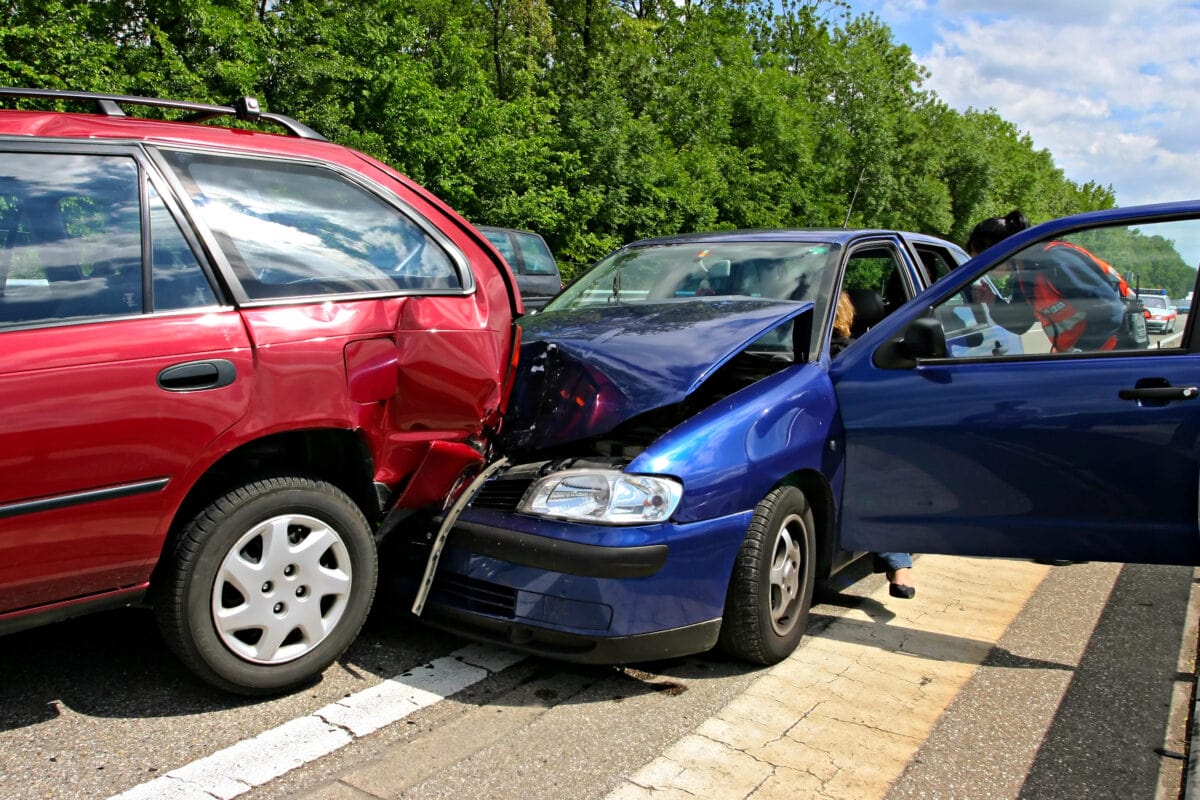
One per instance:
(584, 371)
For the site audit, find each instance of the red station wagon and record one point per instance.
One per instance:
(230, 361)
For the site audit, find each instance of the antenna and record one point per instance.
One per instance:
(854, 197)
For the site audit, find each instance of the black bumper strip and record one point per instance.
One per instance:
(80, 498)
(698, 638)
(571, 558)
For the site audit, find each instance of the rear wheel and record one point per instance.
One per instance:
(766, 610)
(268, 585)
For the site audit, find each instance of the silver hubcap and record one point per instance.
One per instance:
(786, 563)
(281, 589)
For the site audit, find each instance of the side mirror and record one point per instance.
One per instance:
(923, 338)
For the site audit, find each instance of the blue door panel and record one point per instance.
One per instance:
(1023, 459)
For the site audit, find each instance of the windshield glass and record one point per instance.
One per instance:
(1153, 300)
(778, 270)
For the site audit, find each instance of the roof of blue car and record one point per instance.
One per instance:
(828, 235)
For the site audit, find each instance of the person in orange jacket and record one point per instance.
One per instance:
(1060, 285)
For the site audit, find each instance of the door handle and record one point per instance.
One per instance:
(1160, 393)
(194, 376)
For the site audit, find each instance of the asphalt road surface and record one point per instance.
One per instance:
(1000, 679)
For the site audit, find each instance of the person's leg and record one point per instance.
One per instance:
(898, 568)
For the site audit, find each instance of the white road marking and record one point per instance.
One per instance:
(1171, 341)
(253, 762)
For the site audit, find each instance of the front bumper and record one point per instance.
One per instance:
(586, 593)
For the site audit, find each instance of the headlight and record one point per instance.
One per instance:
(607, 497)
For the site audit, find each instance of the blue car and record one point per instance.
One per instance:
(684, 458)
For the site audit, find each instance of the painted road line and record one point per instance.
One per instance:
(253, 762)
(844, 714)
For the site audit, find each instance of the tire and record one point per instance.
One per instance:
(268, 585)
(766, 609)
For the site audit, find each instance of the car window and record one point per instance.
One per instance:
(537, 257)
(778, 270)
(938, 261)
(875, 282)
(876, 268)
(503, 243)
(292, 230)
(1069, 295)
(789, 270)
(179, 282)
(71, 237)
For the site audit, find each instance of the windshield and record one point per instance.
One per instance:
(778, 270)
(1153, 300)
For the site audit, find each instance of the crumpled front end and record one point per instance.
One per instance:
(564, 553)
(585, 372)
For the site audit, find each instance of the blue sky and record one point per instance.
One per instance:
(1110, 87)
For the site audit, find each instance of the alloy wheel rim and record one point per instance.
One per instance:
(786, 562)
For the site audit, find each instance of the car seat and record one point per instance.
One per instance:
(868, 310)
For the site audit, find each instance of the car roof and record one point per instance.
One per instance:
(823, 235)
(73, 125)
(501, 228)
(108, 119)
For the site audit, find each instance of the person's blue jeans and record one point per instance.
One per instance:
(890, 562)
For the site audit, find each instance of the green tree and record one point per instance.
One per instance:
(591, 122)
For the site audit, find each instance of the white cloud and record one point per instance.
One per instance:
(1112, 91)
(1058, 11)
(1110, 88)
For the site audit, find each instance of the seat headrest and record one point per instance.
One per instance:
(868, 308)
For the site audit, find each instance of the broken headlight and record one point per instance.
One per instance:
(606, 497)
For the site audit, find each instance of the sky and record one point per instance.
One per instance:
(1110, 87)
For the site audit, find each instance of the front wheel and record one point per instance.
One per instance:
(766, 609)
(268, 585)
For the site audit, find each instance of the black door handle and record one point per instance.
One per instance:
(194, 376)
(1160, 393)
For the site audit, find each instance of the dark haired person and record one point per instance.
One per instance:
(995, 229)
(1060, 285)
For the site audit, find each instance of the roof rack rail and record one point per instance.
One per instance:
(244, 108)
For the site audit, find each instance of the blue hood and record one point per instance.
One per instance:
(582, 372)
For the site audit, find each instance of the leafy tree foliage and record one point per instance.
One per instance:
(593, 122)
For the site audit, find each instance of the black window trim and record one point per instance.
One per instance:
(868, 241)
(167, 195)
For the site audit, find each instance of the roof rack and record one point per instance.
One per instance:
(244, 108)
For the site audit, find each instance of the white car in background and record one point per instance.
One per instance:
(1161, 315)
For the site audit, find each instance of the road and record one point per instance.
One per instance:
(1001, 679)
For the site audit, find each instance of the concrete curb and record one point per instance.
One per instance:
(1191, 774)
